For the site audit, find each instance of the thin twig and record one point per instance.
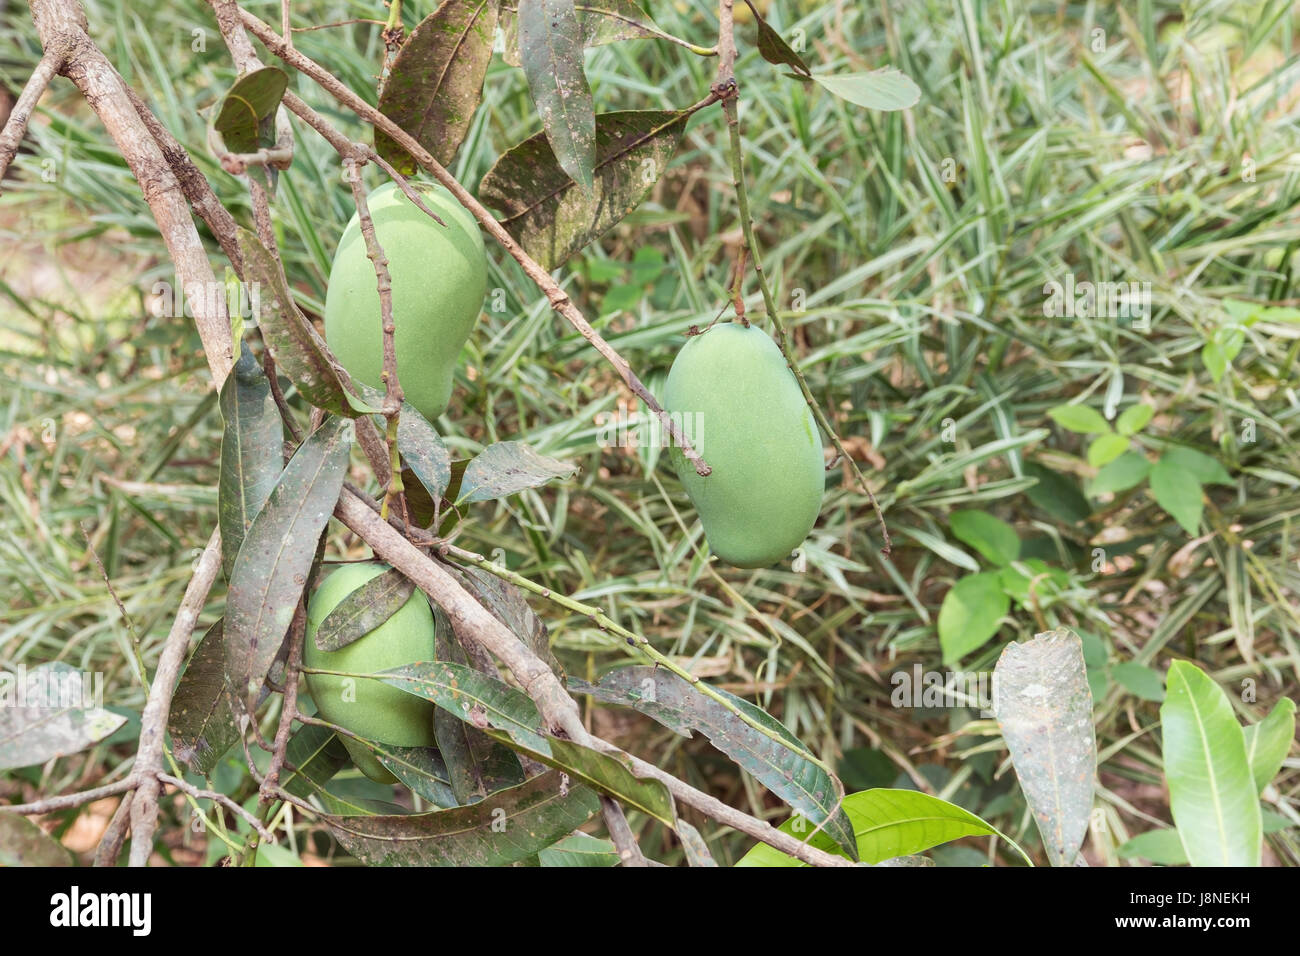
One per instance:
(110, 844)
(220, 798)
(289, 704)
(153, 722)
(20, 115)
(68, 800)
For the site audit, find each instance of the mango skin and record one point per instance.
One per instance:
(758, 435)
(379, 712)
(439, 277)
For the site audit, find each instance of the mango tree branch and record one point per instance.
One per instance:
(558, 298)
(16, 126)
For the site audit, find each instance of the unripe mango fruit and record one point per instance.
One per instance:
(741, 408)
(369, 707)
(439, 278)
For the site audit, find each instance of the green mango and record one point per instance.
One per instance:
(739, 405)
(370, 708)
(439, 278)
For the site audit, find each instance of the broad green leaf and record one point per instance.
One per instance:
(420, 769)
(773, 48)
(546, 211)
(510, 716)
(990, 536)
(273, 565)
(476, 764)
(201, 720)
(364, 609)
(1134, 418)
(1162, 847)
(1106, 448)
(49, 711)
(1269, 741)
(23, 843)
(253, 99)
(312, 758)
(436, 81)
(887, 824)
(506, 468)
(580, 849)
(1139, 680)
(883, 89)
(1208, 471)
(550, 48)
(509, 826)
(298, 349)
(252, 442)
(422, 448)
(602, 21)
(1080, 419)
(971, 613)
(274, 854)
(1044, 709)
(1211, 790)
(1178, 491)
(1127, 471)
(670, 700)
(1057, 494)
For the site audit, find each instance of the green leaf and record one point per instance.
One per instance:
(420, 769)
(312, 758)
(580, 849)
(887, 824)
(1044, 709)
(1079, 419)
(364, 609)
(971, 614)
(1057, 494)
(253, 99)
(602, 21)
(23, 843)
(883, 89)
(436, 82)
(693, 846)
(1139, 680)
(476, 764)
(1162, 847)
(201, 720)
(990, 536)
(1211, 790)
(509, 826)
(1178, 491)
(670, 700)
(1134, 418)
(48, 712)
(545, 210)
(506, 468)
(510, 716)
(1269, 741)
(298, 349)
(1106, 448)
(273, 565)
(1208, 471)
(1127, 471)
(252, 458)
(422, 448)
(773, 48)
(550, 47)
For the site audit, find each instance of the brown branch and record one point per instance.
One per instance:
(16, 126)
(289, 706)
(558, 298)
(110, 844)
(69, 800)
(221, 799)
(153, 722)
